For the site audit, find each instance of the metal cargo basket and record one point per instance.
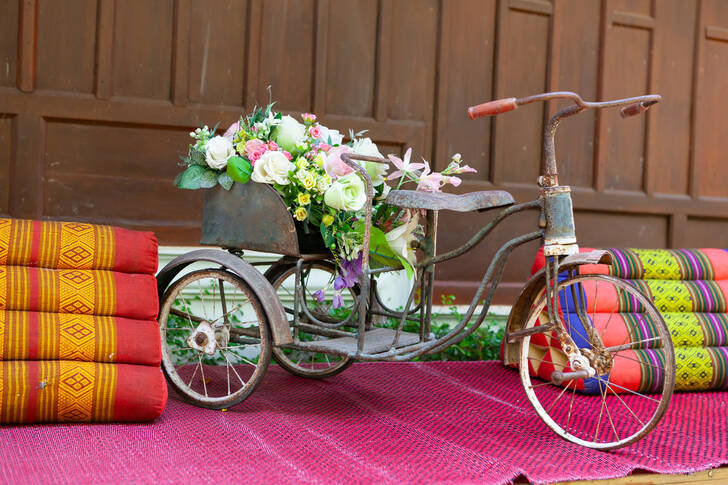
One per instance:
(253, 216)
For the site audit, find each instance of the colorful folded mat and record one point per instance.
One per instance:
(79, 339)
(689, 288)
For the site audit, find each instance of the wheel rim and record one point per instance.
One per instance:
(316, 275)
(614, 415)
(231, 327)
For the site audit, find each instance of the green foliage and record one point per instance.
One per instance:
(483, 344)
(208, 179)
(191, 178)
(239, 169)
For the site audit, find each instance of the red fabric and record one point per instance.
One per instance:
(141, 393)
(136, 251)
(435, 422)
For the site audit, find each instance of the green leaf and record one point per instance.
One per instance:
(239, 169)
(224, 179)
(380, 251)
(198, 158)
(208, 179)
(191, 177)
(328, 237)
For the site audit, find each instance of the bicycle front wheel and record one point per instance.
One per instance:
(618, 330)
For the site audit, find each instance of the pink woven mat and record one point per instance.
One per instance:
(442, 422)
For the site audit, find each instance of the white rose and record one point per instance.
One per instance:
(217, 152)
(346, 193)
(272, 167)
(400, 239)
(377, 171)
(334, 135)
(288, 133)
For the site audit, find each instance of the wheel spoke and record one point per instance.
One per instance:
(621, 356)
(202, 372)
(232, 366)
(559, 397)
(624, 403)
(617, 348)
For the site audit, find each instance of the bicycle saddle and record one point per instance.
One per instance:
(480, 201)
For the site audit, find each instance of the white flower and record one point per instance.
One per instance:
(272, 167)
(346, 193)
(377, 171)
(400, 239)
(288, 133)
(334, 135)
(323, 183)
(218, 150)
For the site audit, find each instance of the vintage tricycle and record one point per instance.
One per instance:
(221, 319)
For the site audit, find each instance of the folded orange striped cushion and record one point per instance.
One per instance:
(89, 338)
(85, 292)
(75, 245)
(65, 390)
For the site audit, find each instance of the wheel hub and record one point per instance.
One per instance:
(203, 338)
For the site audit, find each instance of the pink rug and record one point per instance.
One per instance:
(442, 422)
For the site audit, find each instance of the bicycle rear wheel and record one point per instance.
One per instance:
(634, 363)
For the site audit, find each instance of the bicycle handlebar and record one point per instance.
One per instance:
(631, 106)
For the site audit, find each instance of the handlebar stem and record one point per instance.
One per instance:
(551, 175)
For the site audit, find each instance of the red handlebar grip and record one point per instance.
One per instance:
(633, 109)
(492, 108)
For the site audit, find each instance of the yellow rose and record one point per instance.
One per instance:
(301, 163)
(304, 199)
(319, 160)
(309, 181)
(300, 214)
(327, 220)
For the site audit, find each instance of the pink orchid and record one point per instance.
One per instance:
(230, 132)
(314, 131)
(308, 117)
(464, 168)
(429, 182)
(454, 181)
(334, 165)
(403, 165)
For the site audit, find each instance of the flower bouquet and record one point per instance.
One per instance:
(302, 161)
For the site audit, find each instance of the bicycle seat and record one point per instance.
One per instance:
(480, 201)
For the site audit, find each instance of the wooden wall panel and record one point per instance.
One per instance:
(575, 67)
(216, 51)
(710, 154)
(455, 132)
(6, 147)
(92, 117)
(8, 41)
(142, 52)
(351, 50)
(626, 73)
(66, 45)
(286, 53)
(525, 48)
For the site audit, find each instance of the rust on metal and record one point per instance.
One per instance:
(435, 201)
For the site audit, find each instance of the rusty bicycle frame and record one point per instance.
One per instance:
(555, 227)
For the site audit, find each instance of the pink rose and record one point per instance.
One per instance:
(272, 146)
(308, 117)
(288, 155)
(315, 132)
(334, 165)
(252, 146)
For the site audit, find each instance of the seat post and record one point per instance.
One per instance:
(429, 247)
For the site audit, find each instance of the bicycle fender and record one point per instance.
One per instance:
(272, 306)
(532, 289)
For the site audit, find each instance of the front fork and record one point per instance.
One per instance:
(557, 220)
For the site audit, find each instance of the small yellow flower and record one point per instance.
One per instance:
(319, 160)
(302, 163)
(328, 219)
(309, 181)
(300, 213)
(304, 199)
(240, 147)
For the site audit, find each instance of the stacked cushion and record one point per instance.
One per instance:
(78, 336)
(690, 289)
